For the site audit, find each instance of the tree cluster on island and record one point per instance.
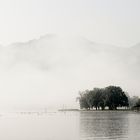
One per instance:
(110, 97)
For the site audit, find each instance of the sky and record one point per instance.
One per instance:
(50, 49)
(105, 21)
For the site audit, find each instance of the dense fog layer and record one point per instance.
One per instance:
(50, 71)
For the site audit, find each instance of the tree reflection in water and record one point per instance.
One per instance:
(103, 125)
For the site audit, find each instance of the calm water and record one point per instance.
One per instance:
(70, 126)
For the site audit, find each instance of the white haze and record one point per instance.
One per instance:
(49, 71)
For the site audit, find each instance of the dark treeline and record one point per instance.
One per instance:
(111, 97)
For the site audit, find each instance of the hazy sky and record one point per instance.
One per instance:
(107, 21)
(50, 70)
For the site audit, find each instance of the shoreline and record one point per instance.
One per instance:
(78, 110)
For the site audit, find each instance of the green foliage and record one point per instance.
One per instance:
(111, 97)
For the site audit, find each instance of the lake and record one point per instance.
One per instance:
(86, 125)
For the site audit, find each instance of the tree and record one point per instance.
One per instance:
(111, 96)
(133, 101)
(90, 99)
(83, 100)
(98, 98)
(115, 97)
(138, 103)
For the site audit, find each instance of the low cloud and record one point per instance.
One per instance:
(52, 69)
